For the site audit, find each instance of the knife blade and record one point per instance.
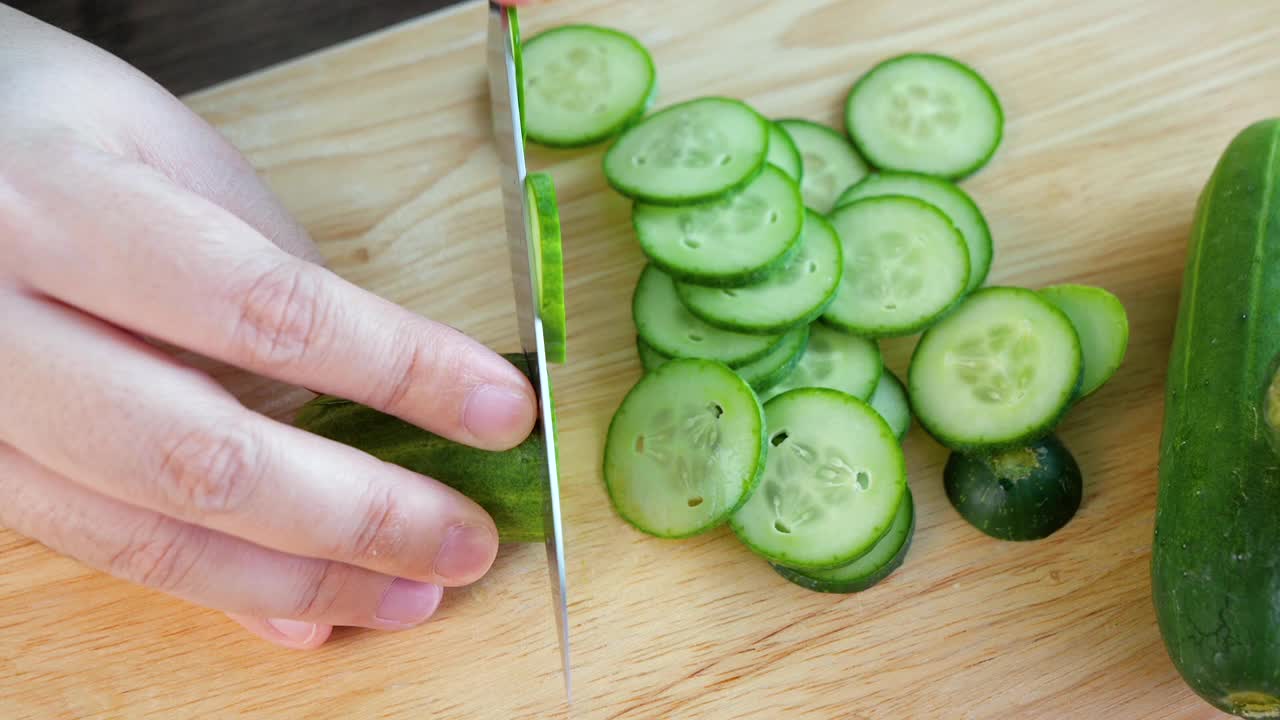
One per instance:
(508, 128)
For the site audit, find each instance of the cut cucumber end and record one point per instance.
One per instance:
(1102, 324)
(1020, 494)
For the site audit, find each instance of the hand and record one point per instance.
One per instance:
(127, 225)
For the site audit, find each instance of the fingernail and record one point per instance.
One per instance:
(294, 630)
(407, 602)
(497, 413)
(467, 552)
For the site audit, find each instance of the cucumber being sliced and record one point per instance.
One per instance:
(998, 372)
(945, 195)
(692, 151)
(1025, 493)
(783, 153)
(829, 162)
(584, 84)
(890, 400)
(761, 374)
(867, 571)
(797, 294)
(905, 265)
(666, 324)
(1102, 324)
(684, 449)
(544, 223)
(836, 360)
(736, 239)
(833, 480)
(924, 113)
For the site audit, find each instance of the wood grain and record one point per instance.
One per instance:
(1116, 116)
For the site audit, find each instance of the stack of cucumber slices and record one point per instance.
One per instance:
(779, 254)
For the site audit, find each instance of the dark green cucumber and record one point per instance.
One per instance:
(1026, 493)
(1216, 555)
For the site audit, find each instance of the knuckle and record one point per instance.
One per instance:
(319, 591)
(283, 316)
(160, 554)
(383, 527)
(210, 472)
(431, 359)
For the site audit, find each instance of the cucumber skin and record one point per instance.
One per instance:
(1215, 563)
(1031, 507)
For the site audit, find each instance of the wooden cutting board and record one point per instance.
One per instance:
(1116, 114)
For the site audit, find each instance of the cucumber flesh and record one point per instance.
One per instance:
(1021, 494)
(833, 480)
(797, 294)
(761, 374)
(924, 113)
(998, 372)
(544, 224)
(835, 360)
(684, 449)
(890, 400)
(829, 162)
(869, 570)
(905, 265)
(736, 239)
(1102, 324)
(784, 154)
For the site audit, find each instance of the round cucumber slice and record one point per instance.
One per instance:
(833, 480)
(945, 195)
(760, 374)
(584, 84)
(689, 152)
(797, 294)
(890, 400)
(783, 153)
(905, 265)
(736, 239)
(836, 360)
(1025, 493)
(1102, 324)
(924, 113)
(867, 571)
(829, 162)
(666, 324)
(684, 449)
(998, 372)
(544, 223)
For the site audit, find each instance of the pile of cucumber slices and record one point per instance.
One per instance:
(780, 252)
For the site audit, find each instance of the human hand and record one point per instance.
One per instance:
(127, 224)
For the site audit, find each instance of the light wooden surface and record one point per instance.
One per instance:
(1116, 111)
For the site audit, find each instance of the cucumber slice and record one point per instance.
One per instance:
(685, 448)
(517, 59)
(890, 400)
(829, 162)
(783, 153)
(998, 372)
(905, 265)
(867, 571)
(584, 84)
(544, 223)
(797, 294)
(835, 360)
(1102, 324)
(736, 239)
(833, 480)
(1025, 493)
(924, 113)
(666, 324)
(947, 197)
(761, 374)
(689, 152)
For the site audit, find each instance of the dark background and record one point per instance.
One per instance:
(190, 44)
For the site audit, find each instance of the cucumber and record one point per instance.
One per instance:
(1025, 493)
(833, 480)
(544, 223)
(689, 152)
(684, 449)
(997, 373)
(890, 400)
(955, 203)
(583, 84)
(736, 239)
(924, 113)
(1100, 320)
(905, 266)
(666, 324)
(761, 374)
(829, 163)
(783, 153)
(867, 571)
(835, 360)
(510, 485)
(1214, 570)
(794, 295)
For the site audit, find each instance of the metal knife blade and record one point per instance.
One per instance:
(508, 127)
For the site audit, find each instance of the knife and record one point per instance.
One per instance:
(508, 128)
